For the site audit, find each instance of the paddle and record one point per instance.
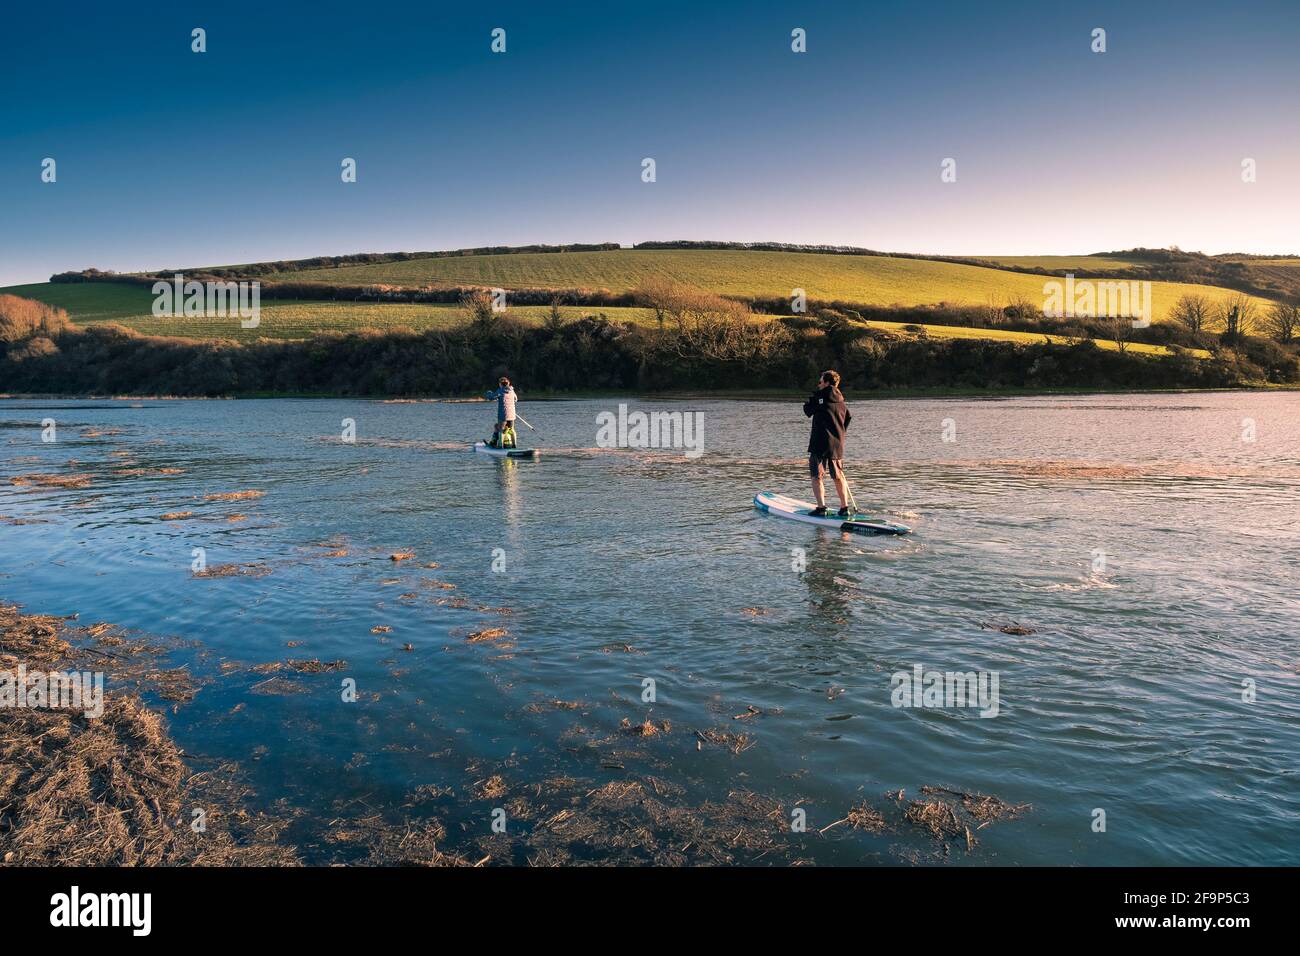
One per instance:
(853, 505)
(524, 420)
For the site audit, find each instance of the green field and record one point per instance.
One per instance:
(873, 280)
(870, 280)
(90, 303)
(1053, 263)
(94, 302)
(1024, 338)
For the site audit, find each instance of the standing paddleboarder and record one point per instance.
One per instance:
(830, 420)
(503, 436)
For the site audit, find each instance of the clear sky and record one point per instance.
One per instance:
(167, 158)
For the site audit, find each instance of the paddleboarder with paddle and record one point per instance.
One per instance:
(830, 420)
(503, 436)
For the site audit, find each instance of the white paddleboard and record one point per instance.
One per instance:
(796, 510)
(483, 449)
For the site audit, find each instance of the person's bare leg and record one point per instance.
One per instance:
(842, 488)
(819, 491)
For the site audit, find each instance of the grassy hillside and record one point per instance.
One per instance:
(1024, 338)
(1290, 262)
(875, 280)
(871, 280)
(1103, 263)
(92, 303)
(89, 301)
(1284, 273)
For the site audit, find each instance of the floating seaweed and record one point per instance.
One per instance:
(1010, 627)
(736, 743)
(233, 495)
(51, 481)
(647, 727)
(251, 569)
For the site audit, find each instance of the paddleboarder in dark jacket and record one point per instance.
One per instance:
(830, 420)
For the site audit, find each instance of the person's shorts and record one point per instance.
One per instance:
(819, 467)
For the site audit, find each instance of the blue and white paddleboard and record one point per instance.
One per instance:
(484, 449)
(796, 510)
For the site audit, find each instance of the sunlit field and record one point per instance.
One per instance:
(870, 280)
(1091, 263)
(1006, 335)
(98, 302)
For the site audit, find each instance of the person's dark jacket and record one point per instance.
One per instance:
(830, 420)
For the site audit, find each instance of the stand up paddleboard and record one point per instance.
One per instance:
(784, 507)
(483, 449)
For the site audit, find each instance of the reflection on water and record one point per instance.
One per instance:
(1122, 563)
(508, 480)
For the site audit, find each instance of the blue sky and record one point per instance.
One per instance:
(167, 158)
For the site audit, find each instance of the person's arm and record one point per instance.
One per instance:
(494, 393)
(848, 417)
(810, 406)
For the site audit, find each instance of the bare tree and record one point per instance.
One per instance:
(661, 294)
(555, 318)
(20, 318)
(708, 326)
(1192, 312)
(1283, 321)
(705, 325)
(1120, 328)
(478, 304)
(990, 314)
(1239, 315)
(1021, 307)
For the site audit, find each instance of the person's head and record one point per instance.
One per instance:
(830, 379)
(504, 382)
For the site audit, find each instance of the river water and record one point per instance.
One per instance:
(1126, 566)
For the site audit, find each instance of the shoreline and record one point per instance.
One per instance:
(756, 395)
(112, 788)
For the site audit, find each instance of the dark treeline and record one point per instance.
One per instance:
(588, 354)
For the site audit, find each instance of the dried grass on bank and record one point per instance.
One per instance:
(112, 790)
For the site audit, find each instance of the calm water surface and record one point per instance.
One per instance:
(1148, 547)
